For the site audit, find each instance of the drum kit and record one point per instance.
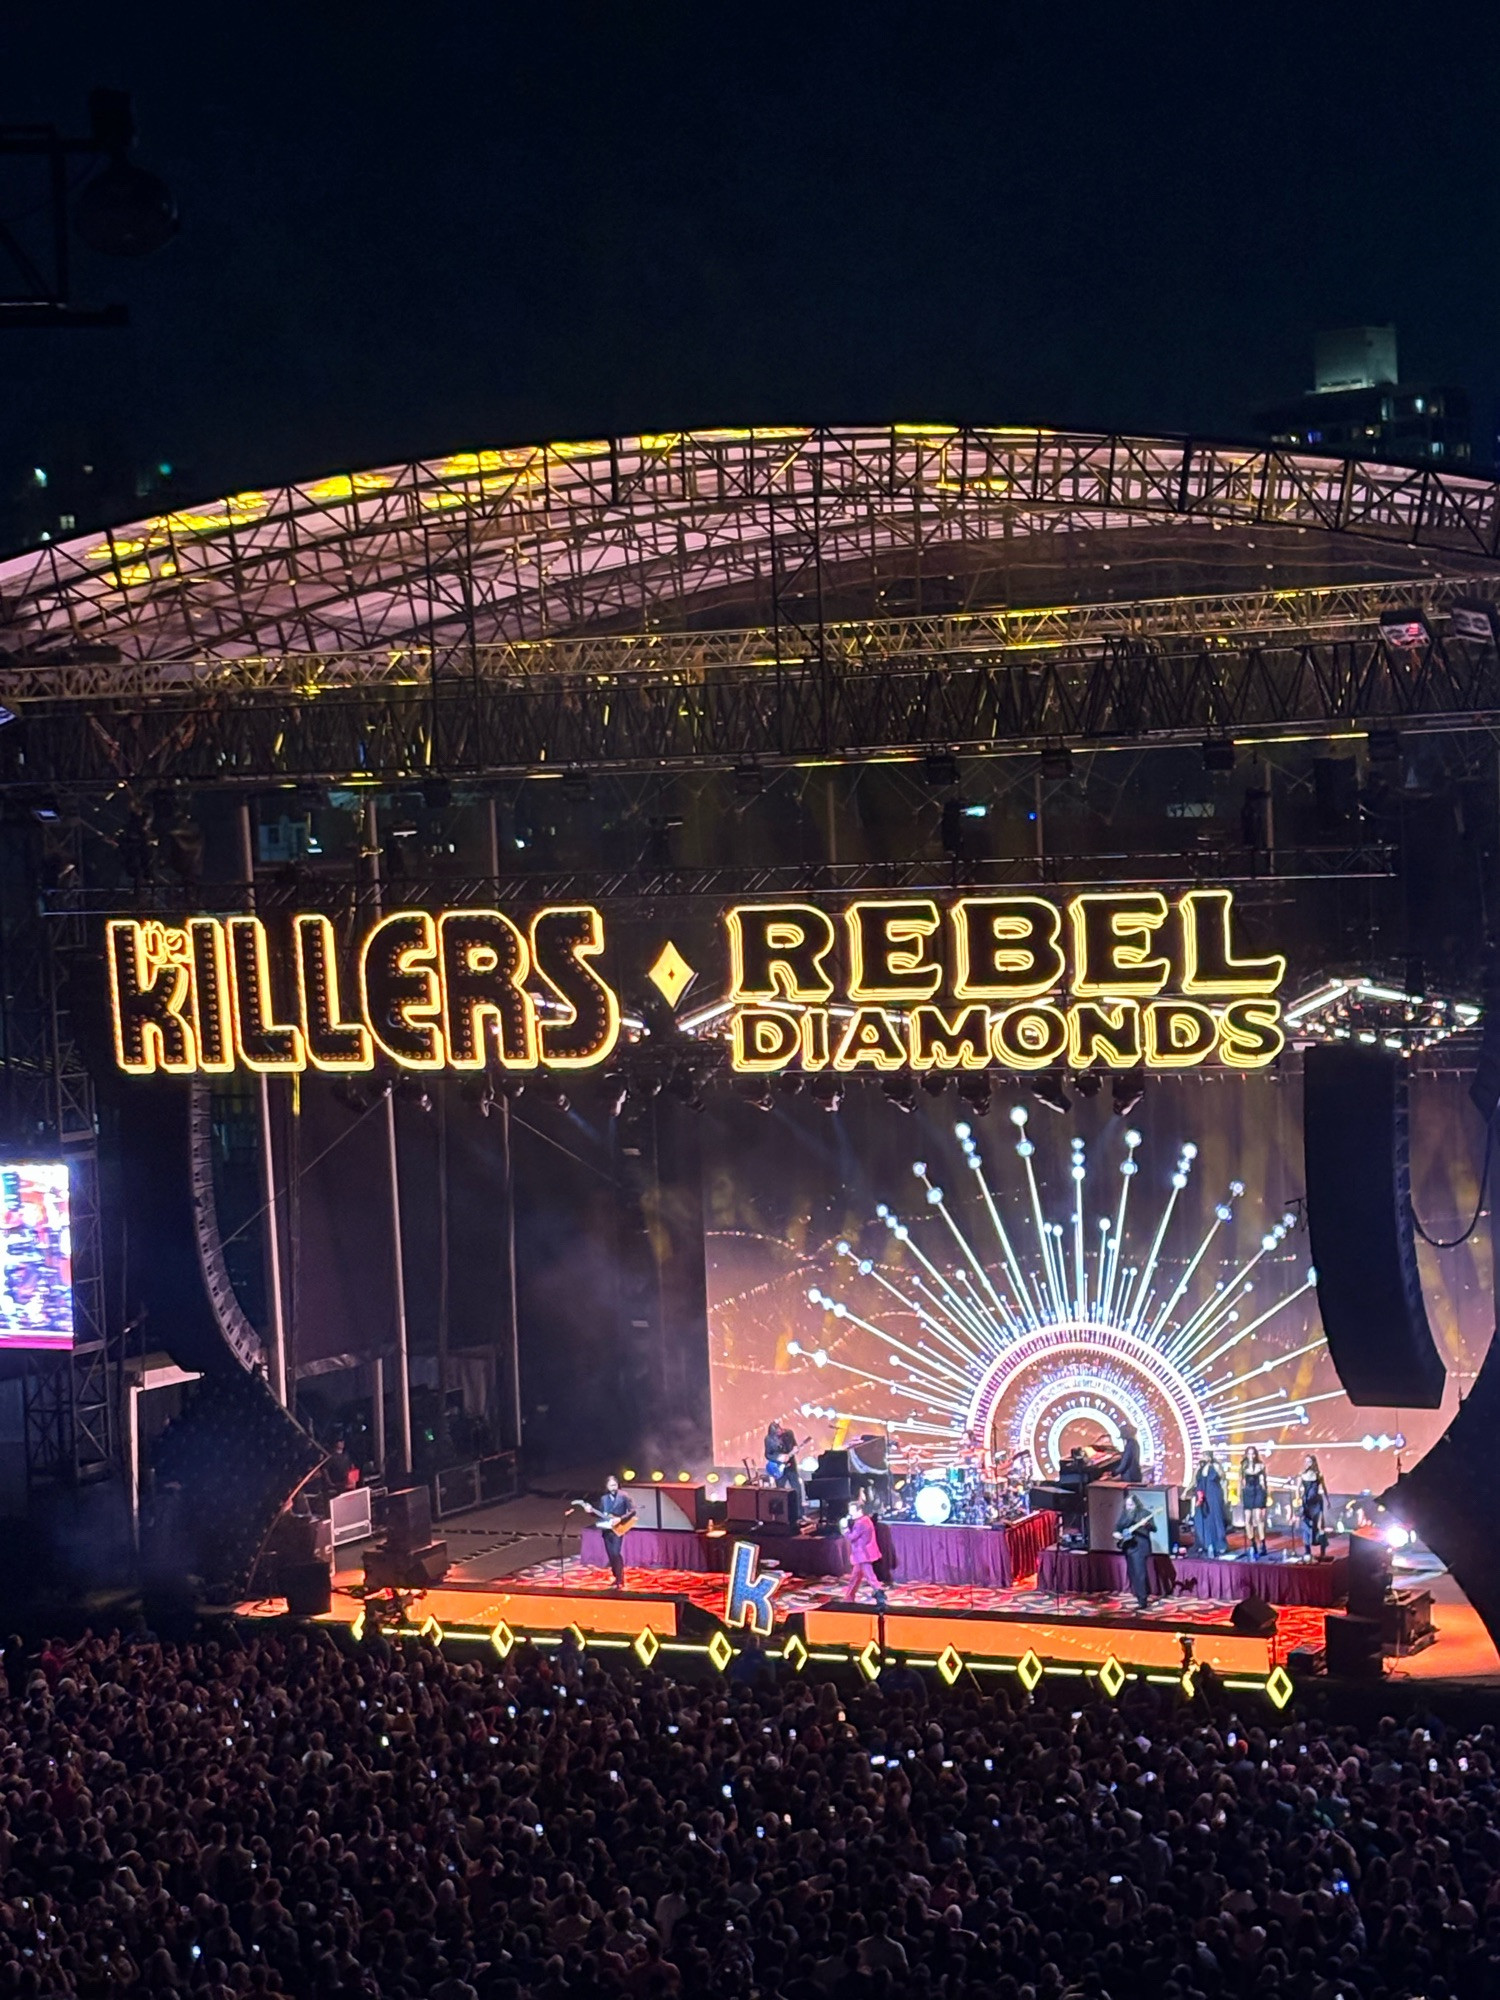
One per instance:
(957, 1496)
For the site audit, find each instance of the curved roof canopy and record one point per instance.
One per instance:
(713, 530)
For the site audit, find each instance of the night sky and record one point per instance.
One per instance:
(415, 228)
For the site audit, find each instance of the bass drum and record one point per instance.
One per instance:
(934, 1504)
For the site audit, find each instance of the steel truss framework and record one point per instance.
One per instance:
(1129, 691)
(542, 541)
(70, 1404)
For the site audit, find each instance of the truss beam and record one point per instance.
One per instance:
(1126, 692)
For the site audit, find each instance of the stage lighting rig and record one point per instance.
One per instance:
(121, 211)
(940, 768)
(1126, 1091)
(975, 1092)
(756, 1091)
(900, 1091)
(1218, 753)
(827, 1091)
(1057, 761)
(1048, 1089)
(1361, 1010)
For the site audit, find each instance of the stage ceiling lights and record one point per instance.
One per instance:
(749, 781)
(1048, 1090)
(577, 787)
(827, 1091)
(1218, 753)
(940, 767)
(1474, 619)
(900, 1091)
(975, 1092)
(1406, 629)
(1057, 761)
(755, 1091)
(1126, 1092)
(1384, 746)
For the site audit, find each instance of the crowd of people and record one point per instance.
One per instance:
(289, 1812)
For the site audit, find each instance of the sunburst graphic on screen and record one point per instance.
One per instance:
(1047, 1333)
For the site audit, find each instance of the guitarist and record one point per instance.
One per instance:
(616, 1517)
(782, 1469)
(1133, 1539)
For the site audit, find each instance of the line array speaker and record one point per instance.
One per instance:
(1363, 1242)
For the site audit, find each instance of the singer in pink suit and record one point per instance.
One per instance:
(863, 1538)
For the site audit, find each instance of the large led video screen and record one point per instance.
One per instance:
(36, 1255)
(1001, 1288)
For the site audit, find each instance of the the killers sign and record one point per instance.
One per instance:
(883, 984)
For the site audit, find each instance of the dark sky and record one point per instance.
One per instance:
(421, 227)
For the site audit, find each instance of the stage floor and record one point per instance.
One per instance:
(512, 1571)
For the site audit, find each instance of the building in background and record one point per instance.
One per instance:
(1359, 404)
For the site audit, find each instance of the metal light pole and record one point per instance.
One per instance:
(398, 1261)
(277, 1370)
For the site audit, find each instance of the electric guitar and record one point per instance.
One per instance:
(619, 1524)
(783, 1459)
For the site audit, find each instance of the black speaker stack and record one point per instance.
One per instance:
(1360, 1220)
(407, 1558)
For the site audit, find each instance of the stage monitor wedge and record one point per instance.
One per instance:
(1354, 1125)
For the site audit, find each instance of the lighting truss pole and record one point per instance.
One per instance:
(269, 1197)
(393, 1159)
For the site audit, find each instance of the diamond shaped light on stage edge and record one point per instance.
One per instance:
(794, 1653)
(1279, 1686)
(645, 1645)
(1112, 1677)
(950, 1665)
(720, 1651)
(1029, 1671)
(502, 1639)
(869, 1660)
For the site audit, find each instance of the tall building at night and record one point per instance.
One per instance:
(1359, 404)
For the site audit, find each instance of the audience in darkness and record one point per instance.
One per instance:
(290, 1814)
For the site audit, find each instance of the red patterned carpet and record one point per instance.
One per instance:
(1295, 1624)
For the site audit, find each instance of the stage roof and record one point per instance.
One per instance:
(724, 547)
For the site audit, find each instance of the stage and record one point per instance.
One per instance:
(512, 1580)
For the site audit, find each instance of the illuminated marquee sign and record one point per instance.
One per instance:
(1018, 982)
(1110, 979)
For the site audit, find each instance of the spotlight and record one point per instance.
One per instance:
(898, 1090)
(6, 715)
(1057, 761)
(1048, 1090)
(711, 1479)
(1126, 1090)
(975, 1092)
(44, 807)
(934, 1083)
(616, 1090)
(1474, 619)
(627, 1475)
(740, 1479)
(684, 1477)
(683, 1084)
(124, 211)
(658, 1475)
(940, 767)
(1089, 1084)
(1407, 629)
(755, 1090)
(1218, 753)
(827, 1091)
